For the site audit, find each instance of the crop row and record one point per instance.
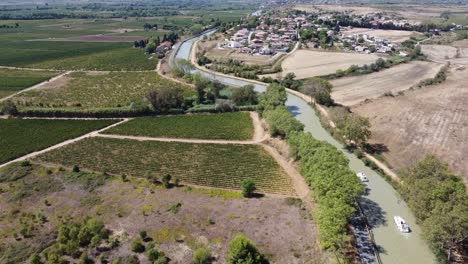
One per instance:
(12, 81)
(21, 136)
(233, 126)
(214, 165)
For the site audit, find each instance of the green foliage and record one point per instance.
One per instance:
(232, 126)
(76, 168)
(242, 250)
(20, 137)
(439, 200)
(35, 259)
(201, 256)
(154, 255)
(248, 187)
(274, 96)
(244, 95)
(9, 108)
(355, 128)
(165, 98)
(281, 122)
(174, 207)
(335, 187)
(200, 166)
(143, 234)
(84, 259)
(136, 245)
(319, 89)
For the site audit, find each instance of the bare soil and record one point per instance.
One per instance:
(308, 63)
(356, 89)
(455, 53)
(281, 229)
(430, 120)
(391, 35)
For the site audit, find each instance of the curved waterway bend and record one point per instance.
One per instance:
(380, 204)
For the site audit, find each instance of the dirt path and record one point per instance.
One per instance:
(64, 143)
(35, 86)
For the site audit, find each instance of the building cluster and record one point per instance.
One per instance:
(266, 38)
(365, 43)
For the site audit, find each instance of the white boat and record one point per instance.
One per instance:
(401, 224)
(362, 176)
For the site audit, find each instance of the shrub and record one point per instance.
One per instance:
(84, 259)
(244, 95)
(201, 256)
(359, 154)
(248, 187)
(35, 259)
(136, 246)
(242, 250)
(76, 168)
(166, 180)
(143, 234)
(154, 254)
(9, 108)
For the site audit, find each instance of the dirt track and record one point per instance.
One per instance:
(432, 119)
(353, 90)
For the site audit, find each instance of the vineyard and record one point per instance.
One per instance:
(12, 81)
(19, 137)
(214, 165)
(81, 90)
(232, 126)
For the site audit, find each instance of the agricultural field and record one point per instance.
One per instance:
(22, 136)
(230, 126)
(214, 165)
(308, 63)
(205, 218)
(391, 35)
(356, 89)
(456, 52)
(12, 81)
(423, 121)
(92, 90)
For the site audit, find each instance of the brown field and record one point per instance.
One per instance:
(430, 120)
(455, 53)
(356, 89)
(308, 63)
(97, 38)
(206, 217)
(357, 10)
(391, 35)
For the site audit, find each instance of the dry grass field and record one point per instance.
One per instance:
(353, 90)
(392, 35)
(205, 217)
(433, 119)
(308, 63)
(455, 53)
(357, 10)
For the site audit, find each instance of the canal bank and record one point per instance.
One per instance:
(380, 203)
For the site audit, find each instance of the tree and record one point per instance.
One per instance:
(356, 129)
(9, 108)
(136, 245)
(281, 123)
(242, 250)
(248, 187)
(84, 259)
(274, 96)
(319, 90)
(166, 180)
(201, 256)
(244, 95)
(165, 98)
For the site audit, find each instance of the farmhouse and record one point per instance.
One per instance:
(165, 46)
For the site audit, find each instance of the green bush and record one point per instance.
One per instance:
(242, 250)
(248, 187)
(201, 256)
(281, 122)
(136, 245)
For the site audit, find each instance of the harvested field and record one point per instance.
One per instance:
(97, 38)
(214, 165)
(307, 63)
(205, 218)
(357, 10)
(353, 90)
(232, 126)
(391, 35)
(86, 90)
(432, 119)
(455, 53)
